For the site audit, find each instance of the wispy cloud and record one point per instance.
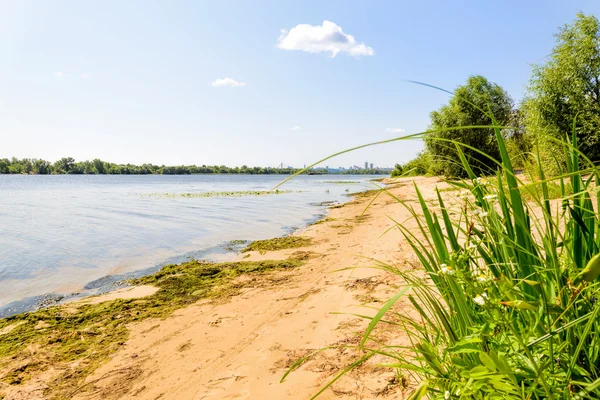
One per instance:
(59, 74)
(227, 82)
(85, 75)
(394, 130)
(295, 128)
(328, 37)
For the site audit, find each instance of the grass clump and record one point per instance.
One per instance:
(286, 242)
(77, 338)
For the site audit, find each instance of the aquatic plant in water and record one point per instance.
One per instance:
(217, 194)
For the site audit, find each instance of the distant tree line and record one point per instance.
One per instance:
(68, 165)
(563, 96)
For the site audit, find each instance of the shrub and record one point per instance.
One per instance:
(420, 165)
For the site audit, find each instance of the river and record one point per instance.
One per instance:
(65, 236)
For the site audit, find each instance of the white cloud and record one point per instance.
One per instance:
(85, 76)
(59, 74)
(328, 37)
(295, 128)
(227, 82)
(394, 130)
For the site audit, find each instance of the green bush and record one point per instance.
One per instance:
(420, 165)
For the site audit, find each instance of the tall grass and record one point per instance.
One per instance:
(509, 306)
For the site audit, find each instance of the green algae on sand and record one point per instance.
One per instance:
(282, 243)
(74, 339)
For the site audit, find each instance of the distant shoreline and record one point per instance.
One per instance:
(68, 166)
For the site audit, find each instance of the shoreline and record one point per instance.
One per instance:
(115, 282)
(340, 239)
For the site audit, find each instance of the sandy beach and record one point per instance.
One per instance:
(242, 347)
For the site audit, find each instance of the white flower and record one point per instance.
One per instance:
(483, 278)
(484, 214)
(446, 270)
(480, 299)
(477, 211)
(447, 395)
(490, 197)
(463, 194)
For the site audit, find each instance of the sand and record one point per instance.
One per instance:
(240, 349)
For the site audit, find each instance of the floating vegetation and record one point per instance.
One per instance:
(217, 194)
(345, 182)
(286, 242)
(75, 339)
(235, 245)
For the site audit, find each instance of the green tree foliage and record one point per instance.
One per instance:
(470, 105)
(567, 86)
(68, 165)
(420, 165)
(518, 142)
(64, 165)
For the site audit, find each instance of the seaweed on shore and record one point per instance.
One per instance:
(286, 242)
(366, 193)
(77, 338)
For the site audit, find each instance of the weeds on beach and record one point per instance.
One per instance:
(509, 306)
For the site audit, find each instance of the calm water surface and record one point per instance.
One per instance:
(61, 234)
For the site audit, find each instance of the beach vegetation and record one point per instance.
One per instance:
(509, 309)
(275, 244)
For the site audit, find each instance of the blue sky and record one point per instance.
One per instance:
(134, 81)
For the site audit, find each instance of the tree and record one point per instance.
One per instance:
(518, 141)
(566, 87)
(99, 165)
(64, 165)
(470, 105)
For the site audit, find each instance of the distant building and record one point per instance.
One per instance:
(366, 165)
(371, 165)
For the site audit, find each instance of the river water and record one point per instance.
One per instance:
(64, 236)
